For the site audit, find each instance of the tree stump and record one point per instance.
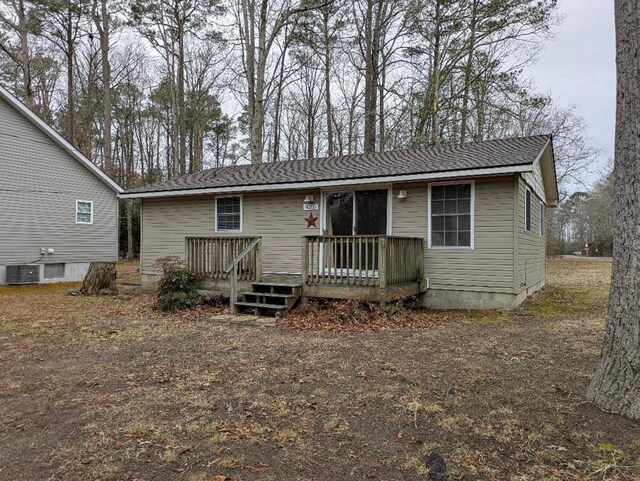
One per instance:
(100, 279)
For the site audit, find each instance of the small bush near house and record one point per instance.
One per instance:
(177, 289)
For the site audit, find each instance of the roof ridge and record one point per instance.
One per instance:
(364, 154)
(494, 154)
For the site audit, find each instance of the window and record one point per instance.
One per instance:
(228, 214)
(84, 212)
(53, 271)
(527, 210)
(451, 215)
(541, 219)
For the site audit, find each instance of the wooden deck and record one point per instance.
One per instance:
(371, 268)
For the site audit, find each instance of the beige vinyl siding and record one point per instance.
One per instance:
(39, 186)
(278, 217)
(531, 245)
(489, 266)
(165, 224)
(275, 216)
(535, 180)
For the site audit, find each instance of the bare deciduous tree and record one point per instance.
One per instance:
(19, 18)
(616, 384)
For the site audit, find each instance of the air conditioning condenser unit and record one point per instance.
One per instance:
(23, 274)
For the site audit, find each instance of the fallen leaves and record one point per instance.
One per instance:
(354, 316)
(126, 392)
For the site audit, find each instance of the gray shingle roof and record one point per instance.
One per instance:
(437, 159)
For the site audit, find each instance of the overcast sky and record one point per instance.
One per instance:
(577, 67)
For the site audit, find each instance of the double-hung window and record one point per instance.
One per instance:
(229, 214)
(84, 212)
(451, 215)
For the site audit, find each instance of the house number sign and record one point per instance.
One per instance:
(310, 206)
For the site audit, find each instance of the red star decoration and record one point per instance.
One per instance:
(311, 220)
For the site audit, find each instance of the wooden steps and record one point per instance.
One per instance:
(269, 298)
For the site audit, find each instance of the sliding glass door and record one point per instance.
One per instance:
(340, 213)
(370, 212)
(361, 213)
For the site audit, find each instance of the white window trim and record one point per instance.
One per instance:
(230, 231)
(90, 202)
(527, 189)
(472, 209)
(541, 219)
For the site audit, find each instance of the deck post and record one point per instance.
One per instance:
(420, 255)
(233, 297)
(187, 253)
(258, 253)
(305, 260)
(382, 261)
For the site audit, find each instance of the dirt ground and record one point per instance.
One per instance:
(109, 389)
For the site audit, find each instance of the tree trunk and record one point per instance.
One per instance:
(327, 81)
(310, 132)
(254, 73)
(25, 59)
(381, 114)
(468, 70)
(71, 105)
(352, 143)
(100, 279)
(182, 135)
(102, 24)
(370, 76)
(275, 156)
(616, 384)
(197, 143)
(435, 80)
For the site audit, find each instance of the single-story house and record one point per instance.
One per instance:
(461, 226)
(59, 211)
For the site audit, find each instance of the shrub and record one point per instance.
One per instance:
(177, 289)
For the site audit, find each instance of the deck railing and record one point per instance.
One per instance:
(374, 261)
(210, 257)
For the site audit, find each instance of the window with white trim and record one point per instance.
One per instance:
(527, 210)
(84, 212)
(451, 221)
(229, 214)
(541, 219)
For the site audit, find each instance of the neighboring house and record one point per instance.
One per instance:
(59, 212)
(460, 225)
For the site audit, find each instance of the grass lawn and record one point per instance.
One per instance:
(108, 388)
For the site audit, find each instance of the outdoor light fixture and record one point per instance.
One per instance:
(308, 199)
(402, 194)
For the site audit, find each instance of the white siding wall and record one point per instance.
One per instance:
(39, 186)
